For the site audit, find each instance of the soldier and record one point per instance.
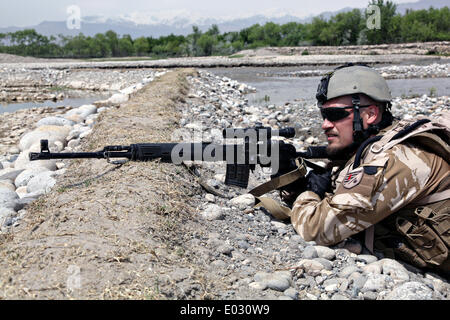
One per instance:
(394, 177)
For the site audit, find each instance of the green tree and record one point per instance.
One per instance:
(125, 45)
(206, 44)
(256, 35)
(113, 42)
(387, 12)
(213, 31)
(346, 27)
(100, 45)
(271, 34)
(318, 31)
(196, 34)
(292, 34)
(141, 46)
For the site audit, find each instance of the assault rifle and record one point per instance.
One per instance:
(258, 148)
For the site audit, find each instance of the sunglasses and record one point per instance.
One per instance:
(336, 113)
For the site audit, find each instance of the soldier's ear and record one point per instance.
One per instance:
(372, 114)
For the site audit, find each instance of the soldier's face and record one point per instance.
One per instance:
(339, 132)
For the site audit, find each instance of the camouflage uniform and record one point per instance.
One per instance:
(361, 197)
(403, 170)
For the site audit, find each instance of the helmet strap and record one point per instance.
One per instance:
(358, 131)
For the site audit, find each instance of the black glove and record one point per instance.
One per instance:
(319, 183)
(290, 192)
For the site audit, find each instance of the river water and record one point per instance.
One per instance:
(75, 101)
(275, 89)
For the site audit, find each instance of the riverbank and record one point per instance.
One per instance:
(242, 61)
(21, 84)
(148, 230)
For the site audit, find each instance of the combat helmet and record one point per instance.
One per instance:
(355, 79)
(351, 79)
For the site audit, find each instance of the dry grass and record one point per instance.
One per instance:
(122, 227)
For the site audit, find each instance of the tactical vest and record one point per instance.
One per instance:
(420, 232)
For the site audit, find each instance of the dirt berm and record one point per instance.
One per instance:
(112, 232)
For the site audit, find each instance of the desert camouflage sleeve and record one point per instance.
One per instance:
(390, 181)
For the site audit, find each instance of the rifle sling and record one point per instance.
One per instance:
(278, 211)
(282, 180)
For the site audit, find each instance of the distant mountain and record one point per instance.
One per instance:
(181, 23)
(422, 4)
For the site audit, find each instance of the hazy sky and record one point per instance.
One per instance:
(31, 12)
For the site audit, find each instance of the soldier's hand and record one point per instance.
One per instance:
(319, 183)
(290, 192)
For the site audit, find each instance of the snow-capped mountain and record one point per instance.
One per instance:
(180, 22)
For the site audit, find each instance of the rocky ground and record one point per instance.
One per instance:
(417, 48)
(434, 70)
(20, 84)
(89, 229)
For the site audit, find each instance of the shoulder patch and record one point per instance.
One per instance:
(353, 178)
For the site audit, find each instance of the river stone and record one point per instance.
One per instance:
(10, 173)
(311, 267)
(225, 249)
(118, 98)
(6, 164)
(74, 117)
(26, 197)
(374, 267)
(73, 143)
(8, 198)
(395, 270)
(291, 293)
(83, 111)
(310, 253)
(6, 216)
(38, 164)
(76, 84)
(75, 133)
(366, 258)
(131, 89)
(85, 133)
(279, 280)
(258, 285)
(43, 181)
(410, 291)
(325, 252)
(375, 282)
(243, 201)
(54, 121)
(348, 270)
(359, 280)
(22, 191)
(7, 184)
(325, 262)
(212, 212)
(24, 177)
(49, 132)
